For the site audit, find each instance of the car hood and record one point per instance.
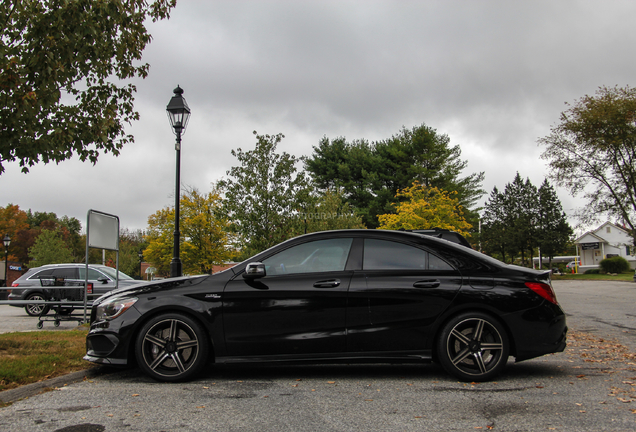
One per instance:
(153, 286)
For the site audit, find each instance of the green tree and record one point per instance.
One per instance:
(521, 208)
(327, 211)
(592, 151)
(263, 195)
(49, 248)
(553, 230)
(64, 65)
(204, 238)
(426, 207)
(371, 175)
(130, 243)
(160, 238)
(495, 235)
(521, 219)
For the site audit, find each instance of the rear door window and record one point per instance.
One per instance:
(389, 255)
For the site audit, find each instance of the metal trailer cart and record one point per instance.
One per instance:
(64, 296)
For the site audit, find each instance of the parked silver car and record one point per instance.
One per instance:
(38, 283)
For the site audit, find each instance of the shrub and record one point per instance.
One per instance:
(592, 271)
(615, 264)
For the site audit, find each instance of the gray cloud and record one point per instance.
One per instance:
(493, 75)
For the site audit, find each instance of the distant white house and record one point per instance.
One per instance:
(606, 241)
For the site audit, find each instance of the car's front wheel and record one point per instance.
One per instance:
(36, 309)
(473, 347)
(171, 347)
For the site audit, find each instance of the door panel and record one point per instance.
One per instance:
(404, 290)
(294, 314)
(298, 308)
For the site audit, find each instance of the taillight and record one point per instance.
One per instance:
(544, 290)
(89, 288)
(13, 285)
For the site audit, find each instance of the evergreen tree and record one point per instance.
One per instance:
(521, 208)
(371, 174)
(495, 230)
(553, 231)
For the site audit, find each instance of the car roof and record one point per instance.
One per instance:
(69, 265)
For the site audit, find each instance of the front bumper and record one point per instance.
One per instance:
(109, 342)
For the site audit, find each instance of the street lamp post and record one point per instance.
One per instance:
(7, 241)
(179, 114)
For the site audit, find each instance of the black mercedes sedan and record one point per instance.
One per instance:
(336, 296)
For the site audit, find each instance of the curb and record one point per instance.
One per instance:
(9, 396)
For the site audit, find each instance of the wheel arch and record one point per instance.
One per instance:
(139, 323)
(491, 312)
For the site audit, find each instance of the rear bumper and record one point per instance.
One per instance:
(545, 336)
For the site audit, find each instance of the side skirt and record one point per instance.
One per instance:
(364, 357)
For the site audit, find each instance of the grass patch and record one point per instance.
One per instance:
(627, 277)
(28, 357)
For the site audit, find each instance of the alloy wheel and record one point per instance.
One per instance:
(475, 347)
(171, 348)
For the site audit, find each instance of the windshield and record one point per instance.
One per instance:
(113, 273)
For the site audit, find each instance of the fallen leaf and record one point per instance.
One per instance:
(135, 395)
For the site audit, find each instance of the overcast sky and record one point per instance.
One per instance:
(492, 75)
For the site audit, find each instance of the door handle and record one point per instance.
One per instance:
(332, 283)
(431, 283)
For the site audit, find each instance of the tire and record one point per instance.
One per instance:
(36, 309)
(473, 347)
(171, 347)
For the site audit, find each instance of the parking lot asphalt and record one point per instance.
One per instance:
(589, 387)
(15, 319)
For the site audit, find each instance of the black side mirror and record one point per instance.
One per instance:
(254, 270)
(103, 279)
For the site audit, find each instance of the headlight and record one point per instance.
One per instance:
(111, 309)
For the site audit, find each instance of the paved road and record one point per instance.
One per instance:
(590, 387)
(13, 319)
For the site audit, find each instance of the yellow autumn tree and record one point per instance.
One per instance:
(204, 238)
(424, 207)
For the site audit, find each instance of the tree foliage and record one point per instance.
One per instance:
(25, 227)
(63, 71)
(130, 244)
(523, 218)
(49, 248)
(424, 207)
(263, 195)
(12, 222)
(327, 211)
(592, 151)
(204, 239)
(371, 174)
(554, 233)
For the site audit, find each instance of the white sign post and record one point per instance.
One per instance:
(102, 231)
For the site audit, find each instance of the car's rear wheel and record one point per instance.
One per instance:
(171, 347)
(36, 309)
(473, 347)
